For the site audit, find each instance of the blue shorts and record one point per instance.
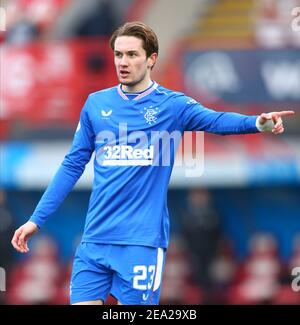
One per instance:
(132, 274)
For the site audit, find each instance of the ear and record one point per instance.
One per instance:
(151, 60)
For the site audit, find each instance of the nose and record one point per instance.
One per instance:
(123, 61)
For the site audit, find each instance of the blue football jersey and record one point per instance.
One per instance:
(128, 203)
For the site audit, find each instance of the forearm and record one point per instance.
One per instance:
(61, 185)
(231, 123)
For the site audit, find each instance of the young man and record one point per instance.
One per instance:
(127, 225)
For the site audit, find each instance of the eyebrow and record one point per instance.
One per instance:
(129, 51)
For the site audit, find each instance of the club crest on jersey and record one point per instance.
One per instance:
(150, 114)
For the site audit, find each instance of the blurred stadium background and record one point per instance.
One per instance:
(236, 230)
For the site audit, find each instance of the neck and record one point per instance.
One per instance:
(137, 88)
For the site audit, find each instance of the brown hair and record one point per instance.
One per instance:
(139, 30)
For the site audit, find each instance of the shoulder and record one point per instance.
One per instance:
(102, 93)
(177, 97)
(168, 92)
(93, 99)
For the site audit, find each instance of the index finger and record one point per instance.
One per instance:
(285, 113)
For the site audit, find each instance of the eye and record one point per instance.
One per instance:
(118, 54)
(132, 54)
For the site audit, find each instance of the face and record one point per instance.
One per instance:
(132, 65)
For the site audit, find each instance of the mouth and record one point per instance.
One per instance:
(124, 73)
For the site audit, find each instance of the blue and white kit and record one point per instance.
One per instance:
(128, 204)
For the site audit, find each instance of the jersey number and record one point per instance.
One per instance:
(142, 274)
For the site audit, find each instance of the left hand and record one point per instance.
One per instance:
(275, 117)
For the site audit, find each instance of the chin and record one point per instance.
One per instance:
(123, 81)
(126, 82)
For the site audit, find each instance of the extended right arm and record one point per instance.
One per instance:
(69, 172)
(65, 178)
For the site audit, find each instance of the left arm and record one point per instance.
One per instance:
(194, 117)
